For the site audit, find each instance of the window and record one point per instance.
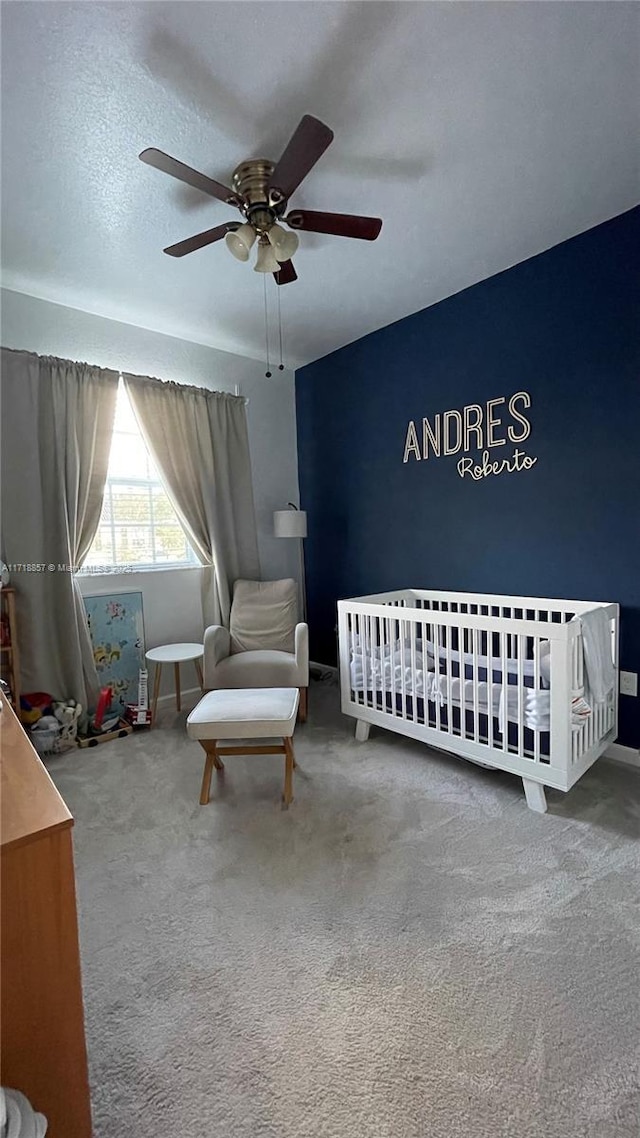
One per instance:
(138, 527)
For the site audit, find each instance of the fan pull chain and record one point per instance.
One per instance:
(280, 365)
(266, 325)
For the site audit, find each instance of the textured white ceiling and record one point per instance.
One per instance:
(482, 133)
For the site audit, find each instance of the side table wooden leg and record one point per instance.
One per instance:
(199, 674)
(176, 668)
(156, 693)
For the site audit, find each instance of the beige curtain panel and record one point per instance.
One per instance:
(57, 423)
(200, 444)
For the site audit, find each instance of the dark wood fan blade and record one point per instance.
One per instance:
(201, 239)
(339, 224)
(287, 273)
(169, 165)
(306, 145)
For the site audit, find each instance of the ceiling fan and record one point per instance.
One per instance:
(261, 191)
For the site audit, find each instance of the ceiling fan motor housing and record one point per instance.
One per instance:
(250, 182)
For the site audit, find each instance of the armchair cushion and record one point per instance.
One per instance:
(263, 616)
(262, 668)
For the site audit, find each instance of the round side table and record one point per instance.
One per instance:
(175, 654)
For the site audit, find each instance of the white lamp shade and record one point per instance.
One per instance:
(266, 261)
(239, 243)
(284, 243)
(290, 523)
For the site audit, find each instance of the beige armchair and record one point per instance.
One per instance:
(265, 646)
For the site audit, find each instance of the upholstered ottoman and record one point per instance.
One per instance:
(245, 713)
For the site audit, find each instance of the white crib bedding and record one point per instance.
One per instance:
(484, 662)
(400, 670)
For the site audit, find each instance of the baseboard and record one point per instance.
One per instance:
(621, 754)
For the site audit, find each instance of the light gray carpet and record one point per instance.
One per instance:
(407, 953)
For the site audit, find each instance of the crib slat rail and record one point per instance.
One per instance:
(487, 676)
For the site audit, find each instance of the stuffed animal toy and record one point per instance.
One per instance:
(67, 712)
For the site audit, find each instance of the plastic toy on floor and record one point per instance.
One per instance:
(101, 722)
(139, 714)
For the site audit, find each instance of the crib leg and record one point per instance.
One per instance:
(535, 795)
(362, 730)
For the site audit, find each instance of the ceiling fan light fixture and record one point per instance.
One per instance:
(240, 242)
(284, 244)
(266, 261)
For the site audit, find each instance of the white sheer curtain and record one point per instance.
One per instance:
(57, 423)
(199, 442)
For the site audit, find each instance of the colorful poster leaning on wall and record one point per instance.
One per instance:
(117, 634)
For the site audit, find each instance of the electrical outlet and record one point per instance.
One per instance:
(628, 683)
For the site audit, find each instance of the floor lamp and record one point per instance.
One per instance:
(293, 523)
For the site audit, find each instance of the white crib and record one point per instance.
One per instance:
(495, 679)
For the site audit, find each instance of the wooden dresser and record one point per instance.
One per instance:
(43, 1051)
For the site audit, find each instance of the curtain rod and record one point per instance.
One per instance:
(120, 373)
(184, 386)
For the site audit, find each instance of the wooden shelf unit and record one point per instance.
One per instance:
(10, 653)
(43, 1040)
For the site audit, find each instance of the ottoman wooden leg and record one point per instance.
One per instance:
(289, 764)
(212, 760)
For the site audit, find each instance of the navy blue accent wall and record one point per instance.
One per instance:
(564, 327)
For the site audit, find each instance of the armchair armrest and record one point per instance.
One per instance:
(217, 646)
(302, 651)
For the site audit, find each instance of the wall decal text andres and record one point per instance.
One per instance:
(478, 428)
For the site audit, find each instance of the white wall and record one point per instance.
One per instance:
(171, 598)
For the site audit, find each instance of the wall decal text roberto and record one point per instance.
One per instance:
(475, 428)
